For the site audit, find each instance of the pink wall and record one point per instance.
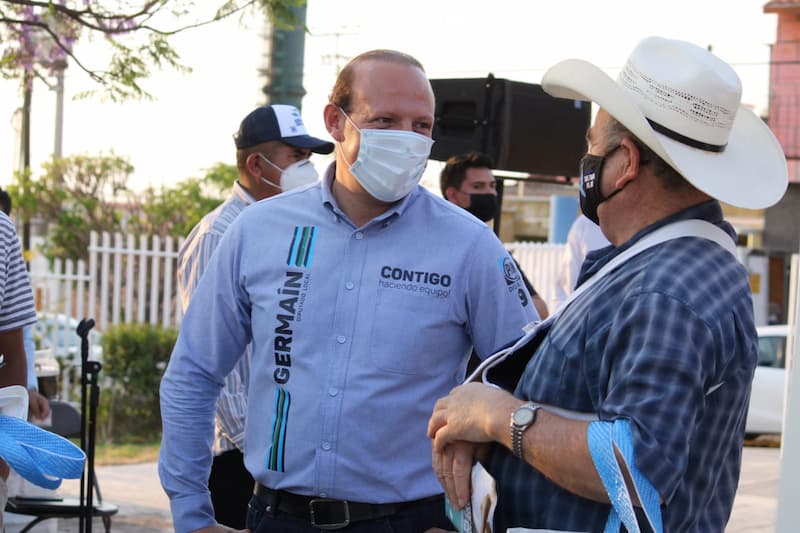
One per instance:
(784, 98)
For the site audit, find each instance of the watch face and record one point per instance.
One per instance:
(523, 416)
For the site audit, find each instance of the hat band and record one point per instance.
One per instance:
(674, 135)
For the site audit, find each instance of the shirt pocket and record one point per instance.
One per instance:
(413, 333)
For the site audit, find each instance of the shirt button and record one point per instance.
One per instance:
(349, 285)
(326, 446)
(333, 391)
(341, 339)
(359, 235)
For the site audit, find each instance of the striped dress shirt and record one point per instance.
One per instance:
(16, 297)
(192, 260)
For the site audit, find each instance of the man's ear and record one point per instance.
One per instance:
(631, 165)
(251, 164)
(450, 194)
(334, 122)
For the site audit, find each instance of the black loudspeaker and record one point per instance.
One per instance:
(520, 126)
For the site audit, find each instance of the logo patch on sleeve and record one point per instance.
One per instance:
(509, 270)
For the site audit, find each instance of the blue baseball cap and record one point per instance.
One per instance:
(278, 123)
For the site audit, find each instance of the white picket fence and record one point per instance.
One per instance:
(127, 279)
(540, 262)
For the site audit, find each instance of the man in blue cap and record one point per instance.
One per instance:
(272, 155)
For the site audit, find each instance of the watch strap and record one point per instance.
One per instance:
(518, 431)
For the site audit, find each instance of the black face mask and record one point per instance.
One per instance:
(591, 166)
(483, 206)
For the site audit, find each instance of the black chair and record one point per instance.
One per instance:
(70, 422)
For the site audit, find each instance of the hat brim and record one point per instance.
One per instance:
(317, 146)
(751, 172)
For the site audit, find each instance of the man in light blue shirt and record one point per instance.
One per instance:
(363, 297)
(272, 155)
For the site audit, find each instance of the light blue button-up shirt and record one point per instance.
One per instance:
(356, 332)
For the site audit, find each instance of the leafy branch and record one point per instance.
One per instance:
(38, 37)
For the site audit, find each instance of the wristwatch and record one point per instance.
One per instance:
(522, 418)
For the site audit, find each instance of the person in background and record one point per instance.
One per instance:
(358, 319)
(272, 155)
(16, 312)
(38, 404)
(466, 180)
(657, 352)
(584, 236)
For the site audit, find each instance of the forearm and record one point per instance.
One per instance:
(185, 455)
(555, 446)
(15, 368)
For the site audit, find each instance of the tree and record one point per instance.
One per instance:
(174, 211)
(79, 194)
(73, 196)
(37, 36)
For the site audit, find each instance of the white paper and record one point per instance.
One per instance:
(483, 500)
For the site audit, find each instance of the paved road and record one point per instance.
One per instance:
(144, 507)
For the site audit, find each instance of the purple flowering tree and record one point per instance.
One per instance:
(37, 37)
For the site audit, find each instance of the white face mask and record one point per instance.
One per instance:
(390, 163)
(295, 175)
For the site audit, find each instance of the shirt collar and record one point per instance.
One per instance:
(394, 211)
(709, 211)
(242, 194)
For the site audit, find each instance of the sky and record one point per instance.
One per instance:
(188, 127)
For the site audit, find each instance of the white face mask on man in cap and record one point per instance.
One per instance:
(296, 175)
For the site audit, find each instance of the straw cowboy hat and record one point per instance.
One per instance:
(684, 103)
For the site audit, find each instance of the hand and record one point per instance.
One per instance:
(38, 405)
(4, 469)
(453, 467)
(471, 413)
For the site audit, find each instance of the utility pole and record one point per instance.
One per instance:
(336, 58)
(59, 66)
(25, 148)
(284, 71)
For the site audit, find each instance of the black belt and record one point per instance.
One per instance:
(325, 513)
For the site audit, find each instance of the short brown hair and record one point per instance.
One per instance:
(343, 88)
(265, 148)
(455, 170)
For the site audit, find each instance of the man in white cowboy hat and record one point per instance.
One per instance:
(657, 351)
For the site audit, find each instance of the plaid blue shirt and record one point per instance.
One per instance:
(667, 341)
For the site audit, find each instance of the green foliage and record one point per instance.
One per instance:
(175, 210)
(74, 195)
(79, 194)
(134, 358)
(37, 38)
